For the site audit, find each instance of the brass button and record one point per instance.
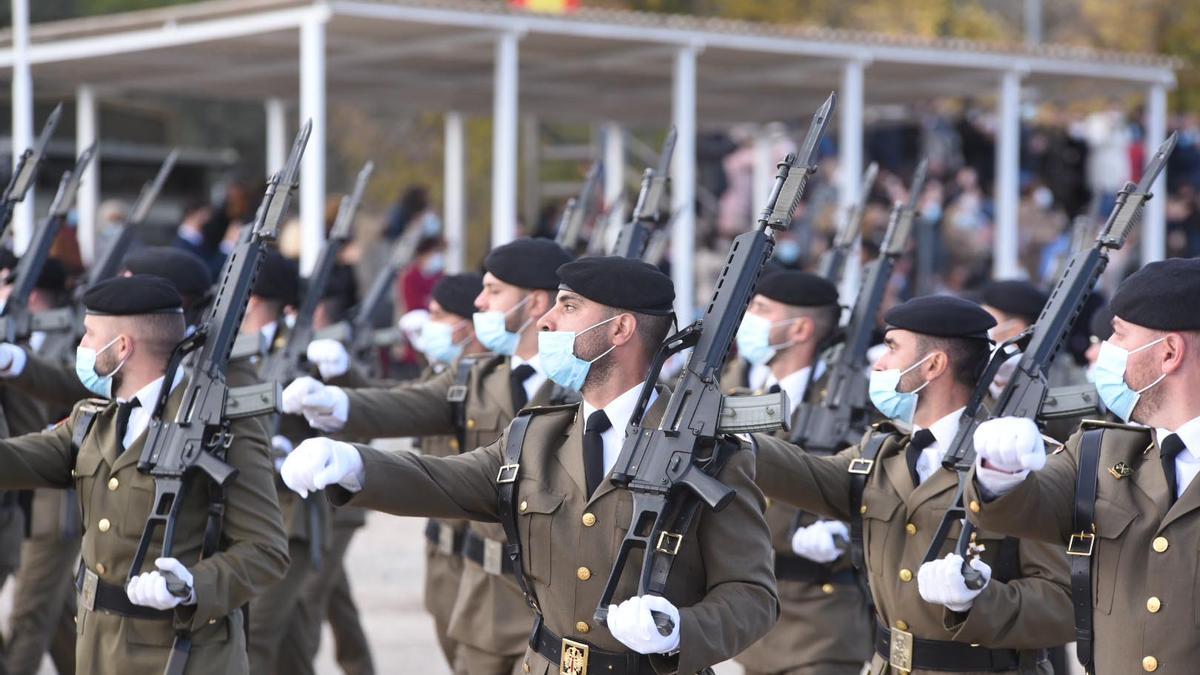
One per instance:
(525, 667)
(905, 575)
(1149, 664)
(1160, 544)
(583, 573)
(100, 569)
(910, 528)
(470, 424)
(974, 506)
(901, 625)
(589, 519)
(74, 473)
(211, 621)
(104, 525)
(862, 509)
(524, 505)
(113, 484)
(1153, 604)
(582, 627)
(454, 444)
(827, 589)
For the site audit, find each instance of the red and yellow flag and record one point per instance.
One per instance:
(547, 6)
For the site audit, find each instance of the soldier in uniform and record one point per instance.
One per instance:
(609, 320)
(472, 403)
(132, 326)
(1120, 492)
(894, 491)
(824, 626)
(44, 603)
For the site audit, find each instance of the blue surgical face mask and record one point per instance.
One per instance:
(436, 341)
(1109, 375)
(434, 264)
(491, 329)
(788, 251)
(754, 339)
(556, 350)
(85, 369)
(895, 405)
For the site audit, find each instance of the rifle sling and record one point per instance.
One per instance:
(858, 483)
(1081, 556)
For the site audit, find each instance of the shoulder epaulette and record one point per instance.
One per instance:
(93, 405)
(1105, 424)
(885, 426)
(488, 362)
(542, 409)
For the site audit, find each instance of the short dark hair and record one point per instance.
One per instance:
(825, 321)
(159, 334)
(968, 356)
(651, 329)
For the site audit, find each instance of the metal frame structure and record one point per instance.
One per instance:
(613, 67)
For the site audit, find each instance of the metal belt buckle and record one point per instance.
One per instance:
(1081, 544)
(900, 650)
(860, 466)
(493, 557)
(508, 473)
(457, 393)
(445, 542)
(87, 594)
(574, 658)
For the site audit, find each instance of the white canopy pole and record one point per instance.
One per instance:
(87, 201)
(1005, 249)
(277, 140)
(22, 118)
(1154, 227)
(683, 184)
(454, 190)
(312, 173)
(851, 102)
(614, 162)
(504, 140)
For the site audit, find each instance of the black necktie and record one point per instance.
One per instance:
(593, 449)
(516, 380)
(774, 389)
(124, 410)
(919, 441)
(1171, 446)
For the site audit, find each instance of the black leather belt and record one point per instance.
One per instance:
(487, 553)
(576, 656)
(447, 540)
(95, 594)
(796, 568)
(943, 655)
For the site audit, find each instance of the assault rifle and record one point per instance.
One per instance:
(201, 431)
(108, 265)
(833, 263)
(649, 213)
(26, 169)
(1027, 389)
(282, 365)
(582, 209)
(17, 323)
(839, 420)
(671, 469)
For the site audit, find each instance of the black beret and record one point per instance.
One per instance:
(1018, 298)
(133, 296)
(53, 277)
(1100, 324)
(456, 293)
(799, 289)
(622, 283)
(183, 268)
(8, 259)
(528, 263)
(941, 316)
(278, 279)
(341, 285)
(1161, 295)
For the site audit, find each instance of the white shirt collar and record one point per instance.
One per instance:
(535, 363)
(268, 332)
(147, 396)
(535, 381)
(796, 384)
(619, 411)
(1189, 433)
(943, 432)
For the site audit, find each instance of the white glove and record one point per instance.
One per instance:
(411, 323)
(941, 582)
(149, 589)
(1003, 374)
(294, 393)
(1006, 450)
(330, 356)
(816, 542)
(282, 447)
(633, 626)
(326, 409)
(12, 360)
(319, 462)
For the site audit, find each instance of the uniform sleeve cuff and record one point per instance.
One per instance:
(16, 359)
(994, 484)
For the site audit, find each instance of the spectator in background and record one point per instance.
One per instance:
(190, 234)
(412, 209)
(414, 287)
(1108, 136)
